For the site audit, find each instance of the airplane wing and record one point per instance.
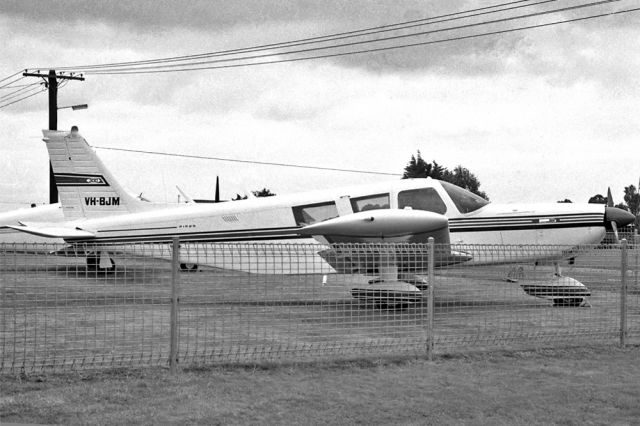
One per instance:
(349, 234)
(50, 231)
(382, 226)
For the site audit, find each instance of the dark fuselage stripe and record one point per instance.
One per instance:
(533, 226)
(292, 233)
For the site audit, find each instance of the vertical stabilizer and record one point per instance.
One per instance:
(85, 186)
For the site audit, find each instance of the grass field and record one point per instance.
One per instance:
(583, 386)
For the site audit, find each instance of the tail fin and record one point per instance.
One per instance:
(86, 188)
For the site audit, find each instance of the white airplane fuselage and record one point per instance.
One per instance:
(280, 218)
(98, 210)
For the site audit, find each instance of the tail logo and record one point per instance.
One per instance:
(76, 179)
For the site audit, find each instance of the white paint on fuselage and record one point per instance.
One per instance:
(244, 220)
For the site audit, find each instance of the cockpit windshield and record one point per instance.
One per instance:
(465, 201)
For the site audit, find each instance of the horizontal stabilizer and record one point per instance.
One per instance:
(53, 231)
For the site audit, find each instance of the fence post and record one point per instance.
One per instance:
(173, 326)
(430, 303)
(623, 292)
(636, 249)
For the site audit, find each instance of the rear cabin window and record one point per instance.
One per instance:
(312, 213)
(464, 200)
(422, 199)
(370, 202)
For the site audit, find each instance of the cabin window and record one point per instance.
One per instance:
(370, 202)
(465, 201)
(422, 199)
(312, 213)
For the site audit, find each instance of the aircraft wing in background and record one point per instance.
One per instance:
(52, 231)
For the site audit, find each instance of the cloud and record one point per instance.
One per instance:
(517, 110)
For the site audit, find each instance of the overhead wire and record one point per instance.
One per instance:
(371, 50)
(24, 89)
(330, 37)
(22, 99)
(265, 163)
(10, 76)
(205, 64)
(11, 82)
(16, 93)
(16, 85)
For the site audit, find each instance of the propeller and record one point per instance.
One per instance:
(217, 196)
(614, 225)
(616, 217)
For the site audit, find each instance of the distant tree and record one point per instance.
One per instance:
(264, 192)
(417, 168)
(460, 176)
(622, 206)
(598, 199)
(566, 200)
(632, 198)
(439, 172)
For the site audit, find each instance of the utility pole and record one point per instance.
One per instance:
(51, 82)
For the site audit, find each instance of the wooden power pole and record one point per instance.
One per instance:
(51, 82)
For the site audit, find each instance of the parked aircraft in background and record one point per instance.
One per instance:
(97, 210)
(48, 213)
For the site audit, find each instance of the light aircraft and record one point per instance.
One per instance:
(97, 210)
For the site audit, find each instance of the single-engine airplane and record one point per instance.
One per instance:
(98, 210)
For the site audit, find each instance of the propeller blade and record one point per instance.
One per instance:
(609, 198)
(217, 195)
(615, 232)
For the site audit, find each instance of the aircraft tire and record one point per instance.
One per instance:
(568, 302)
(93, 264)
(188, 267)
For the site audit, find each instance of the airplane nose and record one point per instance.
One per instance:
(619, 216)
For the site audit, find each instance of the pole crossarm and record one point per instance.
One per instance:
(58, 76)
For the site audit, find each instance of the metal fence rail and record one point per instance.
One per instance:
(267, 302)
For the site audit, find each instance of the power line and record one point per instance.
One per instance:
(8, 77)
(16, 93)
(11, 82)
(264, 163)
(22, 99)
(321, 39)
(195, 66)
(15, 86)
(371, 50)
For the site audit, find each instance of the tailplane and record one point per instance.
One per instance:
(85, 186)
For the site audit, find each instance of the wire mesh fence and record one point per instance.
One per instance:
(73, 307)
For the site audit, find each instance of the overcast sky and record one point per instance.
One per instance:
(538, 115)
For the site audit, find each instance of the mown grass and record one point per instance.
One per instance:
(594, 385)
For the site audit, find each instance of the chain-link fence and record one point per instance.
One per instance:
(226, 303)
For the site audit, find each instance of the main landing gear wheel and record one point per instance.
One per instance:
(93, 264)
(188, 267)
(571, 302)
